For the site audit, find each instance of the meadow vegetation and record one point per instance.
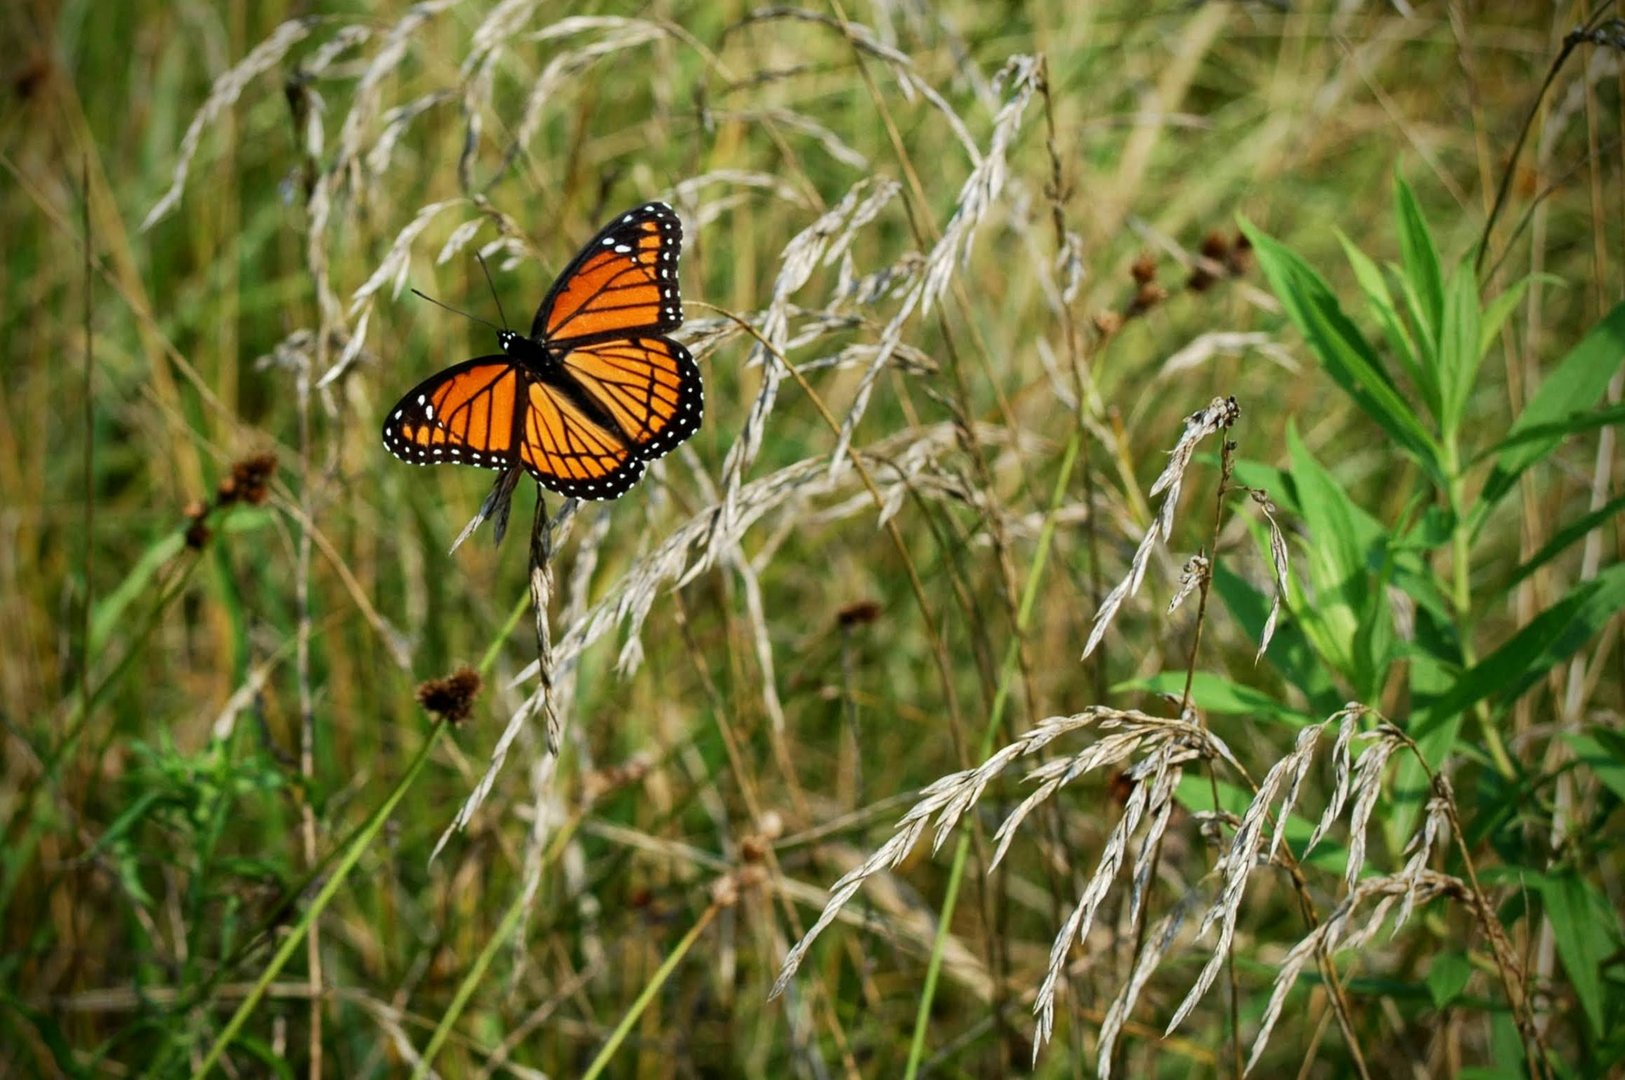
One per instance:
(1144, 600)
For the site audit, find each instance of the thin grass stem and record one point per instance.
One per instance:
(341, 872)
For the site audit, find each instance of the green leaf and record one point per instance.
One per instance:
(111, 607)
(1573, 424)
(132, 815)
(1603, 752)
(1543, 643)
(1566, 537)
(1349, 621)
(1587, 931)
(1216, 694)
(1255, 474)
(1497, 310)
(1459, 347)
(1342, 349)
(1290, 653)
(1447, 977)
(1423, 270)
(1380, 302)
(1574, 386)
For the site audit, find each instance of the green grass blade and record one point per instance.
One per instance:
(1342, 349)
(1574, 386)
(341, 871)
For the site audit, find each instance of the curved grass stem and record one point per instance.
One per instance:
(341, 872)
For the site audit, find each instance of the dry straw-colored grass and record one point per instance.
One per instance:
(959, 277)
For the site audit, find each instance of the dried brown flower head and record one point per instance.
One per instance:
(1149, 296)
(1215, 246)
(1240, 260)
(857, 614)
(1144, 268)
(197, 534)
(1107, 323)
(249, 478)
(451, 697)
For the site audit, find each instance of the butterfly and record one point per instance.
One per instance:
(594, 392)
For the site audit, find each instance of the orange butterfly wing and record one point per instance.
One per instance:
(611, 407)
(624, 281)
(570, 449)
(648, 387)
(464, 414)
(594, 393)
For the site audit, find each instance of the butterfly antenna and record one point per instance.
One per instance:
(455, 311)
(493, 285)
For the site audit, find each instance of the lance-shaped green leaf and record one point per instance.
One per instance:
(1460, 347)
(1380, 302)
(1423, 271)
(1342, 349)
(1570, 389)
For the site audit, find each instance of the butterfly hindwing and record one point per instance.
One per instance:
(623, 282)
(649, 387)
(571, 451)
(464, 414)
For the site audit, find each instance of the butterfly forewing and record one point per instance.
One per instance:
(623, 282)
(464, 414)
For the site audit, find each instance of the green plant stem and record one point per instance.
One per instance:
(495, 649)
(296, 935)
(1461, 596)
(511, 920)
(669, 965)
(1012, 654)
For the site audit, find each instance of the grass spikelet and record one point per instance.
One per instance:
(225, 92)
(1281, 785)
(618, 36)
(1151, 955)
(1219, 415)
(976, 198)
(1279, 563)
(818, 244)
(1366, 787)
(1335, 933)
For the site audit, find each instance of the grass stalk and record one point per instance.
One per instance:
(1007, 675)
(341, 872)
(512, 919)
(669, 965)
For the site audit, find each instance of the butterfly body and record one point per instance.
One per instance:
(593, 393)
